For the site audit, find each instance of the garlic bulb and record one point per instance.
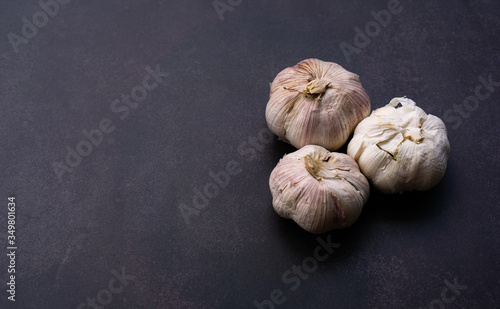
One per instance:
(401, 148)
(316, 102)
(318, 189)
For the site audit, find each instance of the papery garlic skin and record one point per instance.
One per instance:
(318, 189)
(316, 103)
(401, 148)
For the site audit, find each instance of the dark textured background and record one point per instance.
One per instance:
(120, 207)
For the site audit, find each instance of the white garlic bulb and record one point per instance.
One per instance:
(401, 148)
(318, 189)
(316, 102)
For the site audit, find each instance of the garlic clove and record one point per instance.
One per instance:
(318, 189)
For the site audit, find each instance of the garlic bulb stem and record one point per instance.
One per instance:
(317, 86)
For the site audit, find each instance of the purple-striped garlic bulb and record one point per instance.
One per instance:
(320, 190)
(316, 103)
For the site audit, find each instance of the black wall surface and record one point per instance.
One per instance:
(110, 229)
